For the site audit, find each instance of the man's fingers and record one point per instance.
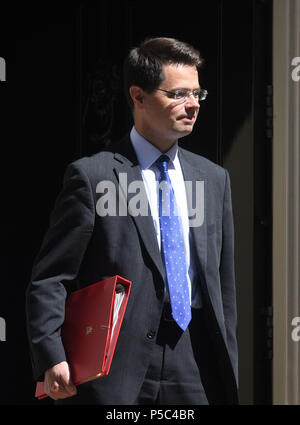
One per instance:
(69, 388)
(58, 383)
(54, 387)
(61, 390)
(66, 384)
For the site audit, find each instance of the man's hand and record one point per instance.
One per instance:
(57, 383)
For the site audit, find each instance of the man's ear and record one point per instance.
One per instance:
(137, 96)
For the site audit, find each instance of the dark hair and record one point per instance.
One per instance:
(143, 66)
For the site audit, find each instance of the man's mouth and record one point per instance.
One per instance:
(186, 118)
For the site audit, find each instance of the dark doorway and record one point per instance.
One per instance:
(64, 99)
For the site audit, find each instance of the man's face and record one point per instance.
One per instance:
(169, 118)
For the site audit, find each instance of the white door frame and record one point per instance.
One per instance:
(286, 201)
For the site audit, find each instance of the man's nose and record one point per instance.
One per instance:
(192, 102)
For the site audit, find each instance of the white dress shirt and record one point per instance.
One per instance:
(147, 154)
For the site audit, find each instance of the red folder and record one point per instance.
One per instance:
(93, 318)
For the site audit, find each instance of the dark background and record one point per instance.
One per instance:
(63, 99)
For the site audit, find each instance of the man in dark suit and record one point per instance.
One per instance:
(177, 343)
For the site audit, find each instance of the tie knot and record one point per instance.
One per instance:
(162, 163)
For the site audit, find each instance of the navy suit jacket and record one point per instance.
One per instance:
(81, 247)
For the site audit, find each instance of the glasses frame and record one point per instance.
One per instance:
(188, 94)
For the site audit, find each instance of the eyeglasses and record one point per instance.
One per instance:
(184, 94)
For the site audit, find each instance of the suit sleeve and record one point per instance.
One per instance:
(58, 262)
(227, 275)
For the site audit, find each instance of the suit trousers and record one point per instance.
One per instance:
(173, 375)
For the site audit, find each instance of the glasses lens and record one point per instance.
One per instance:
(184, 94)
(202, 94)
(181, 94)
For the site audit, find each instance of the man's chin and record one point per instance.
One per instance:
(185, 130)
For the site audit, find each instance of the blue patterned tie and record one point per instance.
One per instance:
(172, 247)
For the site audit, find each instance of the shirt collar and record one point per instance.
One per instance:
(147, 153)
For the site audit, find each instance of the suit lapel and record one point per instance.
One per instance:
(192, 175)
(127, 165)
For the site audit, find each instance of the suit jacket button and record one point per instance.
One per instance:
(151, 335)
